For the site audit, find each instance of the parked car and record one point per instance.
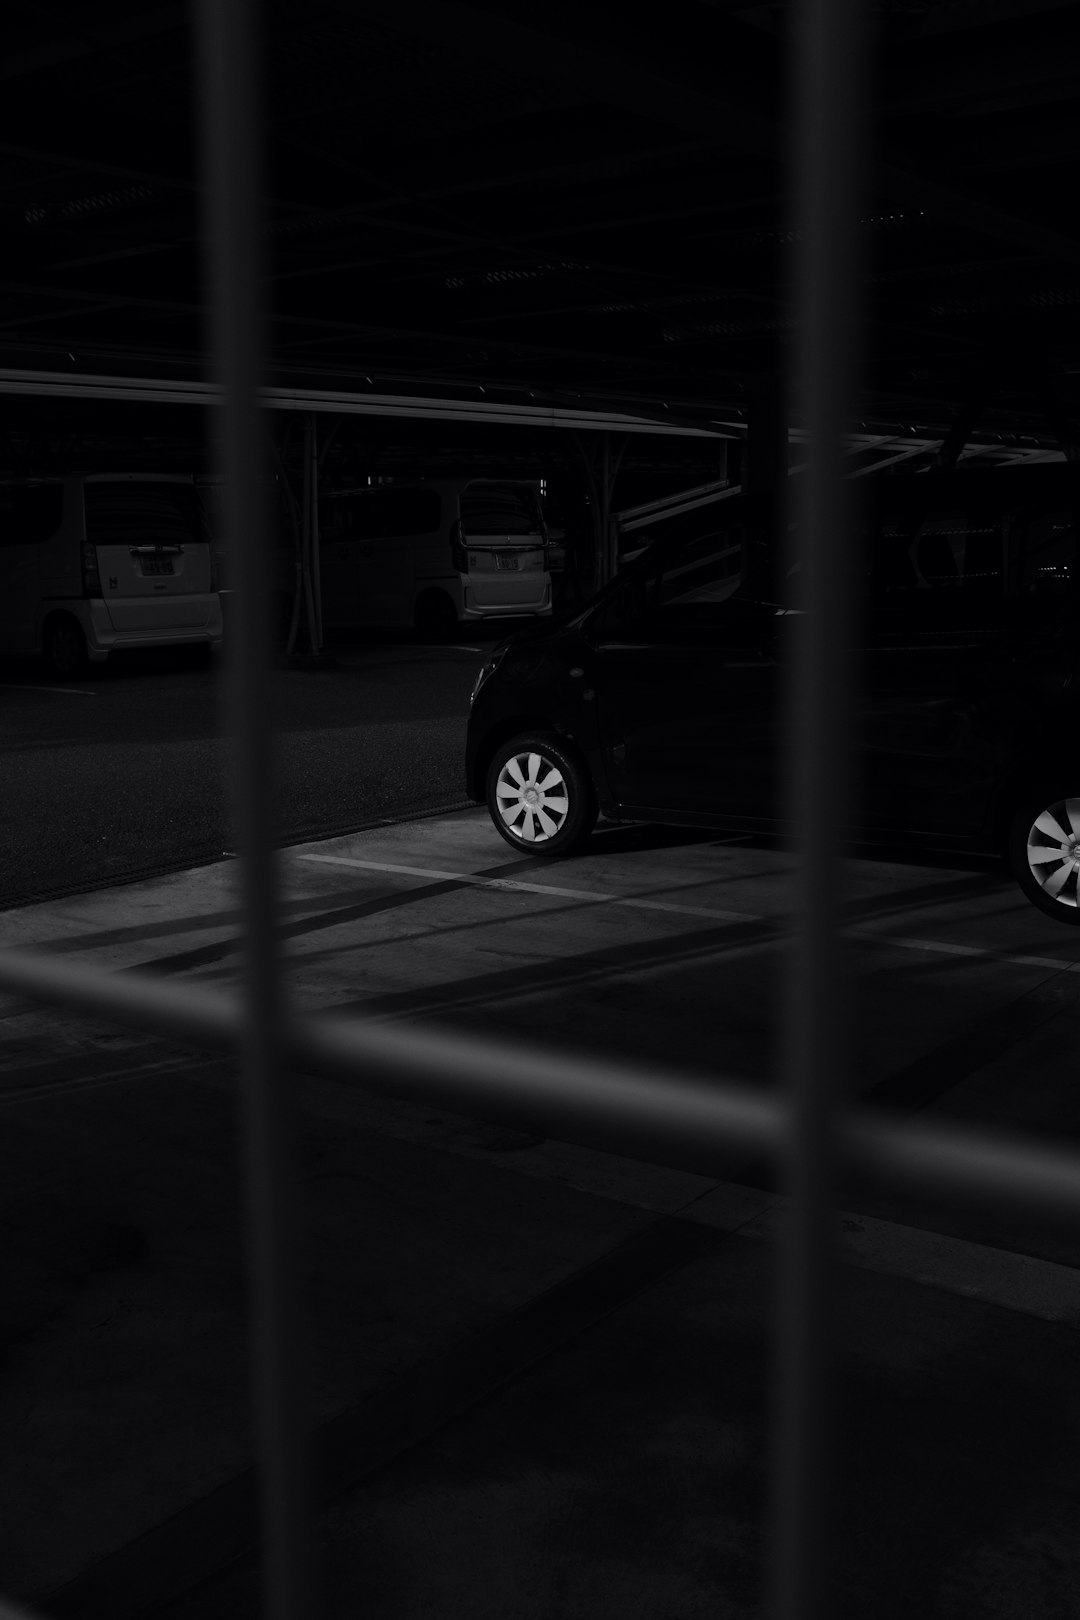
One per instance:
(94, 563)
(663, 699)
(431, 555)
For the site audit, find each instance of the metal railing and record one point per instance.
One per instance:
(643, 1112)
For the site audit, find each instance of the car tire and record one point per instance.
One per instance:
(1043, 852)
(540, 797)
(435, 616)
(64, 647)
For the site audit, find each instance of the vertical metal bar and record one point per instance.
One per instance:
(305, 537)
(231, 129)
(316, 560)
(827, 84)
(607, 539)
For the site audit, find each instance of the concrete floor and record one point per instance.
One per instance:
(539, 1370)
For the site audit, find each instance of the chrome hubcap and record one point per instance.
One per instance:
(532, 797)
(1053, 851)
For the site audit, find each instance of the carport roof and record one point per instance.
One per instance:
(562, 206)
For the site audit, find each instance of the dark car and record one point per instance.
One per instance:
(663, 699)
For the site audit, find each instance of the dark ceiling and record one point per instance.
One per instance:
(573, 203)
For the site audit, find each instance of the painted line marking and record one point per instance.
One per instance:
(943, 948)
(68, 691)
(889, 941)
(1019, 1282)
(111, 1077)
(473, 880)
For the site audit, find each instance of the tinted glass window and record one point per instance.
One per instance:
(143, 514)
(1042, 551)
(973, 564)
(499, 509)
(696, 589)
(380, 514)
(30, 512)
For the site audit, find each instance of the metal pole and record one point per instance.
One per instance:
(827, 81)
(607, 543)
(305, 537)
(231, 125)
(316, 561)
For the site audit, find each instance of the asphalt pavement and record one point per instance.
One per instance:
(125, 773)
(537, 1372)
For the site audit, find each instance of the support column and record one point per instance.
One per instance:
(600, 468)
(305, 534)
(765, 464)
(316, 563)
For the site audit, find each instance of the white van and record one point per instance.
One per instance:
(433, 554)
(96, 562)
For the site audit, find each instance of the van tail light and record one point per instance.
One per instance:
(459, 557)
(91, 579)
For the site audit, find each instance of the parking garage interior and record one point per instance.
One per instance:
(558, 246)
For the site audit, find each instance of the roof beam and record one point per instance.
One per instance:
(165, 391)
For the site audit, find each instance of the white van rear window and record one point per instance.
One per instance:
(143, 514)
(500, 509)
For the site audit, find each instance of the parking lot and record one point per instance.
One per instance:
(125, 773)
(514, 1336)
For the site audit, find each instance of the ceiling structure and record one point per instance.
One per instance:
(555, 207)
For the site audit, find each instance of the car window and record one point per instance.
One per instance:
(494, 509)
(124, 514)
(972, 566)
(695, 590)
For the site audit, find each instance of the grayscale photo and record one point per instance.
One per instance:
(539, 810)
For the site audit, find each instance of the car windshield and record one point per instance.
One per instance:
(500, 509)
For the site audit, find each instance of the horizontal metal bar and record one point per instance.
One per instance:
(664, 501)
(173, 391)
(670, 511)
(661, 1116)
(912, 448)
(583, 1098)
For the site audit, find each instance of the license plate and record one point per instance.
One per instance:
(157, 565)
(506, 559)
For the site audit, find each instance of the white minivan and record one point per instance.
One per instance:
(97, 562)
(432, 554)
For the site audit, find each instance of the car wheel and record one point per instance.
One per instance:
(435, 615)
(1044, 853)
(65, 648)
(540, 798)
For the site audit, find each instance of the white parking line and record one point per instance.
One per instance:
(112, 1077)
(889, 941)
(1019, 1282)
(478, 882)
(68, 691)
(943, 948)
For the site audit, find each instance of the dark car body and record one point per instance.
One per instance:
(969, 639)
